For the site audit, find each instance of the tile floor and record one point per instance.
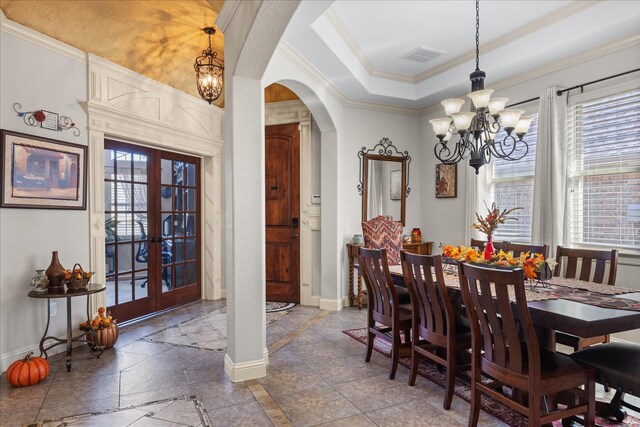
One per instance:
(316, 376)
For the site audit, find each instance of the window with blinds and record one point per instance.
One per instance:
(510, 185)
(604, 171)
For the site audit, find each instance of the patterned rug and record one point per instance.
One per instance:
(462, 389)
(273, 307)
(207, 332)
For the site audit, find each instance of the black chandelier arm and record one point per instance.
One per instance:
(448, 157)
(509, 146)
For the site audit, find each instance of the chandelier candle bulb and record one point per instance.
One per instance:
(452, 106)
(510, 117)
(496, 105)
(480, 98)
(441, 126)
(523, 125)
(462, 121)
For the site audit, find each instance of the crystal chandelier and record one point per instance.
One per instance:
(477, 129)
(209, 71)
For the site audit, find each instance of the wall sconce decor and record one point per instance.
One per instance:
(209, 71)
(46, 119)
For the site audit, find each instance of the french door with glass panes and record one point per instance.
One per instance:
(152, 229)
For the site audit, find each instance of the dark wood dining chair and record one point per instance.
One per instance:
(617, 366)
(435, 333)
(520, 248)
(497, 244)
(586, 258)
(505, 348)
(384, 307)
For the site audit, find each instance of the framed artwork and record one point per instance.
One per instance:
(42, 173)
(396, 185)
(446, 181)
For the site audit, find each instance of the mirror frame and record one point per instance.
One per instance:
(385, 151)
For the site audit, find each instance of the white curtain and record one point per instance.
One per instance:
(549, 191)
(474, 202)
(374, 190)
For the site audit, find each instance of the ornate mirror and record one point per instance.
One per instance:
(384, 181)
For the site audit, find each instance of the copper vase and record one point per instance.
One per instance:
(55, 272)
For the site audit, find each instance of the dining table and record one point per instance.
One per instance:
(552, 307)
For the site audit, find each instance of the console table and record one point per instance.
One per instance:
(421, 248)
(93, 288)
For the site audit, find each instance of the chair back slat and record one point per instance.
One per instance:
(429, 296)
(587, 258)
(494, 319)
(380, 287)
(519, 249)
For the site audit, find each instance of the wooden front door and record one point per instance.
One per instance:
(282, 193)
(152, 229)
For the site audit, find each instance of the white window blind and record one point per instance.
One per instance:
(604, 170)
(511, 185)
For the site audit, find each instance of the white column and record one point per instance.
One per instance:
(247, 355)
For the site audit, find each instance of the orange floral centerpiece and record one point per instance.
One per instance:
(490, 223)
(534, 267)
(104, 327)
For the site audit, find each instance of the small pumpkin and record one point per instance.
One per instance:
(28, 371)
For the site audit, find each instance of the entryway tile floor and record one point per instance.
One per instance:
(316, 376)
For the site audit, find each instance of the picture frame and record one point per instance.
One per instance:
(446, 181)
(395, 185)
(42, 173)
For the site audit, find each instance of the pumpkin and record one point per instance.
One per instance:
(106, 337)
(28, 371)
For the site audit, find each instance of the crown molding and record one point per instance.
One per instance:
(25, 33)
(542, 22)
(523, 31)
(351, 43)
(571, 61)
(317, 76)
(553, 67)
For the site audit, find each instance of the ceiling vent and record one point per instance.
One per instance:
(422, 54)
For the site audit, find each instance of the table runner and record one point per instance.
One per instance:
(451, 281)
(591, 286)
(559, 288)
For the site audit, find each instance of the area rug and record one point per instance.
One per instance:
(462, 389)
(207, 332)
(273, 307)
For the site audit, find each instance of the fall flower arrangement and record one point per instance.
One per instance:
(101, 321)
(532, 266)
(494, 218)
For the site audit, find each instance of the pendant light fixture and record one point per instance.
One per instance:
(209, 71)
(477, 129)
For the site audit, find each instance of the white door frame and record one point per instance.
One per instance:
(127, 106)
(279, 113)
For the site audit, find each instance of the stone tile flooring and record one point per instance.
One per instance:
(316, 376)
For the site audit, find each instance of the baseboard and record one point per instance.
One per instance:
(315, 301)
(7, 359)
(246, 370)
(331, 304)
